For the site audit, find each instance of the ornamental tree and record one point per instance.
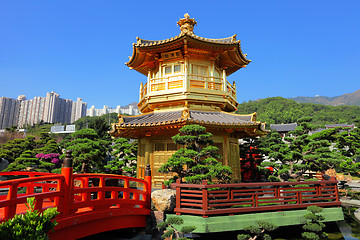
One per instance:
(313, 226)
(14, 148)
(88, 151)
(292, 156)
(197, 161)
(50, 147)
(125, 157)
(25, 162)
(170, 232)
(258, 231)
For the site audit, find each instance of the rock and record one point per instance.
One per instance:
(341, 177)
(3, 164)
(331, 172)
(164, 200)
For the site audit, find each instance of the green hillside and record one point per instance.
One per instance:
(281, 110)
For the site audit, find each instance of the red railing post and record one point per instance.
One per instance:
(10, 211)
(148, 187)
(205, 202)
(67, 172)
(336, 188)
(178, 195)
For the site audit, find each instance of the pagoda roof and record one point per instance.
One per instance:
(226, 51)
(161, 118)
(210, 119)
(284, 127)
(148, 43)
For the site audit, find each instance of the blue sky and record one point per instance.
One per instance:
(78, 48)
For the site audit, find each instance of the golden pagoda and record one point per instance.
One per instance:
(186, 84)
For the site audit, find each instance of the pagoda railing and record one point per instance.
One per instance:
(231, 90)
(219, 199)
(210, 83)
(175, 83)
(143, 91)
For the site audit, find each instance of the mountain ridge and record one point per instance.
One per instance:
(350, 99)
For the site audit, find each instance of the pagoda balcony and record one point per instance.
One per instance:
(175, 84)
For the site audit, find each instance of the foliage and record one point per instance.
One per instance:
(278, 110)
(349, 166)
(348, 143)
(31, 225)
(258, 231)
(88, 151)
(51, 146)
(125, 157)
(171, 230)
(292, 156)
(14, 148)
(101, 127)
(196, 162)
(25, 162)
(100, 124)
(38, 128)
(49, 162)
(11, 129)
(314, 226)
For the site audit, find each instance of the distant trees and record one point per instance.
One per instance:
(278, 110)
(100, 124)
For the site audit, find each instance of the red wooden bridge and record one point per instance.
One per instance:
(88, 203)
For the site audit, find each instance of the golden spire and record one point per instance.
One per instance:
(187, 24)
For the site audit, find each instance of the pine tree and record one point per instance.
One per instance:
(292, 156)
(25, 162)
(196, 162)
(258, 231)
(170, 230)
(125, 153)
(313, 224)
(88, 151)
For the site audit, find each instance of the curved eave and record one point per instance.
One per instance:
(249, 129)
(232, 58)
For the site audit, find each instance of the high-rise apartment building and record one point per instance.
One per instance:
(9, 112)
(50, 109)
(130, 109)
(78, 110)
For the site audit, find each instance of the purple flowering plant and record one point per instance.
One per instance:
(50, 157)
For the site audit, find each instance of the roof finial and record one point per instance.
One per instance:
(187, 24)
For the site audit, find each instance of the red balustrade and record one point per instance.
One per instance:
(219, 199)
(88, 203)
(46, 189)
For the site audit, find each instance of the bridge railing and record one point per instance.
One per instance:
(224, 199)
(48, 187)
(92, 191)
(72, 194)
(21, 174)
